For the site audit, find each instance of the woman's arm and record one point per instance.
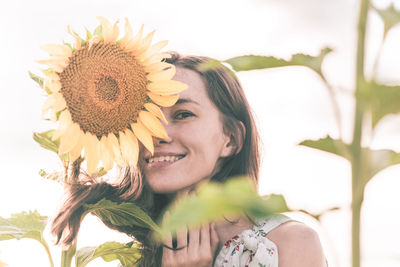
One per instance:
(298, 246)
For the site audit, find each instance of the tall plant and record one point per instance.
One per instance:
(373, 101)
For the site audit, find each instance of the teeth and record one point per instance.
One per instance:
(165, 158)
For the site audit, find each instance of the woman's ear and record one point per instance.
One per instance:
(234, 140)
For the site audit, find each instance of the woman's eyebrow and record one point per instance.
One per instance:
(186, 100)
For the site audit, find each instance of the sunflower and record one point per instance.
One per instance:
(106, 94)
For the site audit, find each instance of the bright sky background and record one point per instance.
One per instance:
(290, 105)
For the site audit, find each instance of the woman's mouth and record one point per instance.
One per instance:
(161, 161)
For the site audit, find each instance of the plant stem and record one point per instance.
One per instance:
(357, 184)
(67, 255)
(46, 247)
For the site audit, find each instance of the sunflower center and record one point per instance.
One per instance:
(104, 88)
(107, 89)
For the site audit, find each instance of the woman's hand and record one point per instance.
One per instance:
(195, 246)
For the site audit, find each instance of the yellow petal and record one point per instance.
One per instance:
(147, 40)
(167, 74)
(69, 139)
(57, 64)
(53, 85)
(94, 40)
(77, 150)
(65, 122)
(52, 76)
(139, 35)
(152, 124)
(78, 40)
(129, 147)
(143, 135)
(167, 87)
(157, 67)
(57, 50)
(92, 156)
(55, 102)
(156, 58)
(156, 111)
(163, 100)
(133, 45)
(155, 48)
(106, 29)
(107, 156)
(113, 144)
(128, 34)
(135, 147)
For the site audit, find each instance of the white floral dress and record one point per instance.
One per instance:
(252, 248)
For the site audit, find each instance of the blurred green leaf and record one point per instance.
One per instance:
(381, 100)
(127, 254)
(328, 144)
(251, 62)
(377, 160)
(123, 214)
(88, 34)
(98, 31)
(44, 140)
(25, 225)
(373, 160)
(54, 176)
(390, 17)
(39, 80)
(21, 225)
(214, 201)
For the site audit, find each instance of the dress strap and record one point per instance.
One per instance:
(271, 222)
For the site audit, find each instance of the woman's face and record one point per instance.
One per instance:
(196, 140)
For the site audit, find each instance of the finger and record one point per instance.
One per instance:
(194, 240)
(205, 237)
(167, 252)
(214, 238)
(206, 254)
(181, 243)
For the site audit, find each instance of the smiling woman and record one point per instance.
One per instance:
(211, 137)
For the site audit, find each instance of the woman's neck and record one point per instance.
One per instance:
(228, 228)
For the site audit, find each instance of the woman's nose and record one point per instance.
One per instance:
(159, 141)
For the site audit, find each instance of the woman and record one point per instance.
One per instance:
(211, 137)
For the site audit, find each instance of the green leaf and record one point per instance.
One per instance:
(39, 80)
(88, 34)
(127, 254)
(123, 214)
(377, 160)
(327, 144)
(214, 201)
(98, 31)
(252, 62)
(54, 176)
(390, 17)
(373, 160)
(381, 100)
(23, 225)
(44, 140)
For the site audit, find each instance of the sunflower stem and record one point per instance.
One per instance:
(67, 255)
(357, 164)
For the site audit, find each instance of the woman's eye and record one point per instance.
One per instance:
(183, 115)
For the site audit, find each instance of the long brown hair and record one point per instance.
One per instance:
(225, 91)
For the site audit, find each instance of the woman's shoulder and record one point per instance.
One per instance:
(298, 245)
